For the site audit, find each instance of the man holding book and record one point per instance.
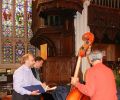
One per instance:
(24, 77)
(36, 67)
(35, 70)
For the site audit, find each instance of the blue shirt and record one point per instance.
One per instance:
(22, 77)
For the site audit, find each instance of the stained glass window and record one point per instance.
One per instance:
(7, 23)
(16, 20)
(7, 50)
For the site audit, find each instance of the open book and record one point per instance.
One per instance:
(40, 88)
(51, 88)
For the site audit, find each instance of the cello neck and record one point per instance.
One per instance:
(88, 39)
(77, 66)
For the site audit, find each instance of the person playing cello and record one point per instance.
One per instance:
(100, 81)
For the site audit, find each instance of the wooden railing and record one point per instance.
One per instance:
(107, 3)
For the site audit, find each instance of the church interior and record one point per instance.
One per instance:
(26, 25)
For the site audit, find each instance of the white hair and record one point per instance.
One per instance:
(95, 55)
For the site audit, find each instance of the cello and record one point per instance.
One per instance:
(74, 93)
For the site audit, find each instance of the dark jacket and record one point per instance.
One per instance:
(34, 73)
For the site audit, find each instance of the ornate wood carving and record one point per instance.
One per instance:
(59, 44)
(61, 37)
(105, 24)
(64, 4)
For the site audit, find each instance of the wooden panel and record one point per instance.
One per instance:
(57, 43)
(67, 46)
(65, 71)
(58, 70)
(64, 45)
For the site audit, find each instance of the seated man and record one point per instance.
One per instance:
(22, 77)
(35, 70)
(38, 64)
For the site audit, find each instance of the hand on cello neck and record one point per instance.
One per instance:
(74, 81)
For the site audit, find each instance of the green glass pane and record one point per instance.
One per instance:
(20, 32)
(7, 50)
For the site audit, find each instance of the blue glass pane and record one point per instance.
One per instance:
(19, 50)
(7, 50)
